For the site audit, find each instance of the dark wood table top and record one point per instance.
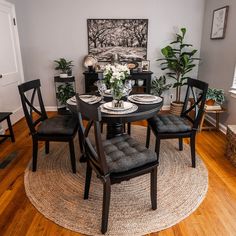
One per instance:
(144, 111)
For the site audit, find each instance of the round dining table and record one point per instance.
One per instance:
(115, 121)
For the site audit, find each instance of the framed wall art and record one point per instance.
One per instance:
(145, 65)
(219, 22)
(125, 37)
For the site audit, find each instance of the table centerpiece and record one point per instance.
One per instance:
(115, 76)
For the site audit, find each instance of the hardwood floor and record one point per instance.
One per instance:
(215, 216)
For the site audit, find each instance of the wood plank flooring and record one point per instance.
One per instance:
(215, 216)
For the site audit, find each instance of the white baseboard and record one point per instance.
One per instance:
(166, 107)
(212, 121)
(51, 108)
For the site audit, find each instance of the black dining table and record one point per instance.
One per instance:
(115, 123)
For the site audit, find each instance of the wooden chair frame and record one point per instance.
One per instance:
(193, 114)
(29, 108)
(96, 161)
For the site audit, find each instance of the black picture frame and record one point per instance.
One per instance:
(219, 22)
(126, 37)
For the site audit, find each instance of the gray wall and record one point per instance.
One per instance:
(219, 56)
(50, 29)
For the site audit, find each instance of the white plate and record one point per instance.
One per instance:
(88, 98)
(73, 99)
(144, 97)
(108, 106)
(157, 100)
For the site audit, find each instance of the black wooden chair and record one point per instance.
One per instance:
(42, 128)
(6, 116)
(114, 160)
(168, 126)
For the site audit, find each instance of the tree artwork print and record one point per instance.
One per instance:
(126, 37)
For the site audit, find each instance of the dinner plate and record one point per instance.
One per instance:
(143, 101)
(88, 98)
(108, 106)
(144, 97)
(73, 99)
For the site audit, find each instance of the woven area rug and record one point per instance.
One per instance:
(58, 194)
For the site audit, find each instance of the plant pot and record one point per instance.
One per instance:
(210, 102)
(64, 75)
(176, 108)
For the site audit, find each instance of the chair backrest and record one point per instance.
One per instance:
(95, 155)
(28, 92)
(196, 91)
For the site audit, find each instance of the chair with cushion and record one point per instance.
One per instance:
(114, 160)
(168, 126)
(42, 128)
(6, 116)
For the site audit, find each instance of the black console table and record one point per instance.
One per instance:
(145, 76)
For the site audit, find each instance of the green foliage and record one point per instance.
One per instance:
(215, 94)
(64, 92)
(159, 85)
(179, 60)
(63, 65)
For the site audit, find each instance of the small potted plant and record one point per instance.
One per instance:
(159, 85)
(215, 95)
(64, 66)
(64, 92)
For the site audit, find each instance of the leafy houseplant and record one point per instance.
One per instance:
(215, 95)
(178, 61)
(64, 66)
(64, 92)
(159, 85)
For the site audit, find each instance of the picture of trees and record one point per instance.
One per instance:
(126, 37)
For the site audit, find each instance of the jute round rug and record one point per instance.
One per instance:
(58, 194)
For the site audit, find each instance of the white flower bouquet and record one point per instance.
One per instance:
(114, 76)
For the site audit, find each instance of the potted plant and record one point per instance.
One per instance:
(64, 66)
(215, 95)
(159, 85)
(64, 92)
(179, 59)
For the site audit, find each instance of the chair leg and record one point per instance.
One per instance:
(106, 205)
(10, 129)
(148, 136)
(193, 154)
(101, 127)
(129, 128)
(35, 154)
(46, 147)
(154, 188)
(72, 156)
(87, 181)
(157, 148)
(181, 144)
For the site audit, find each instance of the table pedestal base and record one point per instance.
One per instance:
(114, 130)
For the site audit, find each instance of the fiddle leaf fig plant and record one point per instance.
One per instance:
(159, 85)
(179, 59)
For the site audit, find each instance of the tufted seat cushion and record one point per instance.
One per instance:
(169, 124)
(58, 125)
(124, 153)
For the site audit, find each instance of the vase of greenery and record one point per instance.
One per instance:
(158, 86)
(179, 59)
(215, 96)
(64, 66)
